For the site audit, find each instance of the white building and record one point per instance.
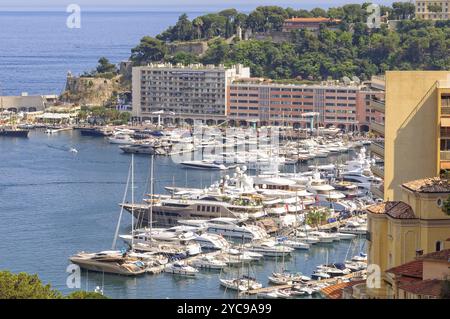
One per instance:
(183, 92)
(25, 103)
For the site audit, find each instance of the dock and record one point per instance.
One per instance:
(355, 275)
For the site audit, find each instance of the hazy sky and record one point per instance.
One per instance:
(175, 5)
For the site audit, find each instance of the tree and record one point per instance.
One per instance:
(403, 10)
(105, 67)
(85, 295)
(446, 206)
(184, 58)
(434, 7)
(149, 50)
(25, 286)
(217, 52)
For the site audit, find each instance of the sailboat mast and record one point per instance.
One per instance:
(132, 201)
(151, 194)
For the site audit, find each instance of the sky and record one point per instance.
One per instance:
(171, 5)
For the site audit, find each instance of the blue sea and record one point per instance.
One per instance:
(53, 203)
(37, 49)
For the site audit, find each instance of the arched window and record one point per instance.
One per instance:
(438, 246)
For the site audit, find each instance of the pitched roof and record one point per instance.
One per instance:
(429, 287)
(429, 185)
(312, 20)
(412, 269)
(394, 209)
(438, 255)
(335, 291)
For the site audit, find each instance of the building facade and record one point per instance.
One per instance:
(26, 103)
(399, 231)
(416, 127)
(423, 9)
(183, 92)
(299, 105)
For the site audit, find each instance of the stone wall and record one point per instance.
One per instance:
(197, 48)
(90, 91)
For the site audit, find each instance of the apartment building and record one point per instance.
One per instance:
(328, 104)
(424, 9)
(183, 92)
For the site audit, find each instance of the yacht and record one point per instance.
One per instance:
(232, 227)
(285, 278)
(13, 132)
(211, 241)
(169, 211)
(324, 237)
(180, 268)
(270, 248)
(208, 262)
(112, 262)
(120, 138)
(323, 190)
(355, 228)
(298, 245)
(204, 164)
(241, 284)
(147, 149)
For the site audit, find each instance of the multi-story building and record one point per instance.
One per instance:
(416, 128)
(399, 231)
(423, 9)
(183, 92)
(345, 106)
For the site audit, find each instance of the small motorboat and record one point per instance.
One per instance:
(208, 262)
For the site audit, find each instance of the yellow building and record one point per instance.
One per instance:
(423, 9)
(398, 231)
(416, 128)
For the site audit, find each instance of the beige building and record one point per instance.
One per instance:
(423, 9)
(416, 128)
(183, 92)
(398, 231)
(25, 103)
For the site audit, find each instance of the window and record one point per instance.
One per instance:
(438, 246)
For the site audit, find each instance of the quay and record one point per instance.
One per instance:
(330, 281)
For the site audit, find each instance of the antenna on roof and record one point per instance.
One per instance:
(356, 79)
(346, 80)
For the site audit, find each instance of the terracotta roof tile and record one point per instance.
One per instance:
(430, 287)
(438, 255)
(429, 185)
(335, 291)
(394, 209)
(412, 269)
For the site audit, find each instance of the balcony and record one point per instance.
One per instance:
(377, 170)
(377, 147)
(377, 190)
(377, 127)
(377, 105)
(445, 111)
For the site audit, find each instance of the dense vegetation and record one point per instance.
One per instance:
(25, 286)
(353, 49)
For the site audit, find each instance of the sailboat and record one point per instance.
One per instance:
(123, 262)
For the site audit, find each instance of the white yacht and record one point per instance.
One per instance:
(211, 241)
(270, 248)
(204, 164)
(322, 189)
(208, 262)
(232, 227)
(120, 138)
(180, 268)
(241, 284)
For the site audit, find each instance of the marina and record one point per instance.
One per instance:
(95, 220)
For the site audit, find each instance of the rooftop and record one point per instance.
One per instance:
(438, 255)
(394, 209)
(412, 269)
(430, 287)
(312, 20)
(429, 185)
(335, 291)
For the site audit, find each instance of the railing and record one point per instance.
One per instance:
(377, 147)
(378, 127)
(445, 155)
(377, 104)
(378, 170)
(445, 111)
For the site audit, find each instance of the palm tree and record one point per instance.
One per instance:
(198, 24)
